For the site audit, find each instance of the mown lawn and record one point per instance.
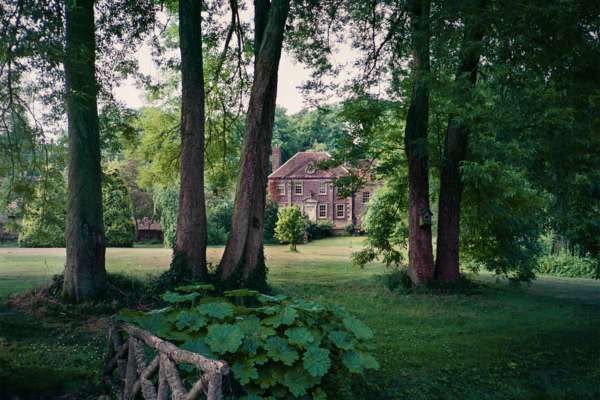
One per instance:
(539, 341)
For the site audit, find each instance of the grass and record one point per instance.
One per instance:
(538, 341)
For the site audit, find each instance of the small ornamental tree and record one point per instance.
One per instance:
(290, 226)
(44, 220)
(118, 214)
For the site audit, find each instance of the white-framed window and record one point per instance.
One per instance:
(281, 187)
(366, 197)
(322, 188)
(298, 188)
(340, 211)
(322, 210)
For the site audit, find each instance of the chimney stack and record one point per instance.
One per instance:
(276, 158)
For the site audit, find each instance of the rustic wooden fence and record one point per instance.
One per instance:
(129, 358)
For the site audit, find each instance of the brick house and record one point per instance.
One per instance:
(298, 183)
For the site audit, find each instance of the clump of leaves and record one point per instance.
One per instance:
(569, 266)
(279, 349)
(179, 273)
(290, 226)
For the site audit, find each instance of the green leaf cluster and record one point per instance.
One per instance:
(568, 266)
(44, 224)
(290, 226)
(119, 227)
(280, 349)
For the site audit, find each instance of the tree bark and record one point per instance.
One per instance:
(455, 148)
(191, 219)
(420, 249)
(85, 273)
(247, 224)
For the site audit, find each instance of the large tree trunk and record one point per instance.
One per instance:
(191, 219)
(420, 249)
(455, 148)
(247, 224)
(85, 273)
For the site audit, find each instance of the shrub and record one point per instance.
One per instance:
(218, 215)
(290, 226)
(350, 228)
(179, 273)
(321, 230)
(568, 266)
(44, 224)
(166, 203)
(271, 210)
(119, 227)
(218, 219)
(281, 349)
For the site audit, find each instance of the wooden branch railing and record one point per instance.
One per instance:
(129, 358)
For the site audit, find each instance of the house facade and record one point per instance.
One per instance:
(298, 183)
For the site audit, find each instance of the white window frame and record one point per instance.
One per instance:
(281, 187)
(337, 210)
(367, 197)
(324, 184)
(296, 185)
(325, 207)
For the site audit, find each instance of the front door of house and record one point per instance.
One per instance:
(311, 211)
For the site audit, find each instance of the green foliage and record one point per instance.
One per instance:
(320, 230)
(218, 215)
(180, 278)
(307, 130)
(142, 204)
(158, 148)
(568, 266)
(350, 229)
(166, 203)
(119, 227)
(386, 224)
(44, 224)
(278, 349)
(271, 210)
(178, 274)
(218, 219)
(290, 226)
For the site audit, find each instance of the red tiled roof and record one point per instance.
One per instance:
(295, 167)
